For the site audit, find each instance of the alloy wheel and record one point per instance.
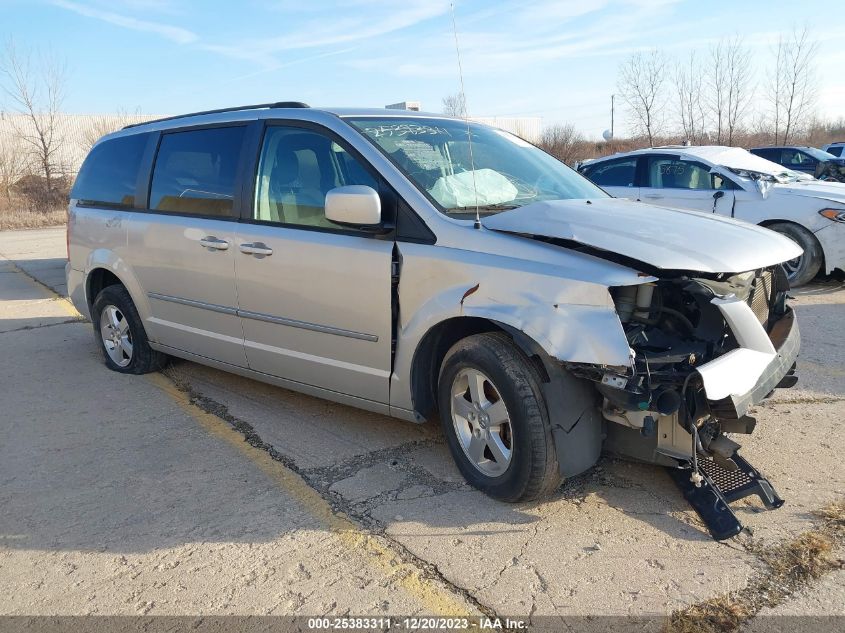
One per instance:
(116, 335)
(482, 423)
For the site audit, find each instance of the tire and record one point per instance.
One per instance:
(506, 378)
(802, 269)
(121, 335)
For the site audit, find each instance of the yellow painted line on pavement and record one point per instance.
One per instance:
(435, 597)
(63, 303)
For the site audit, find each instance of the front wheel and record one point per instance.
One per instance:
(121, 335)
(802, 269)
(494, 418)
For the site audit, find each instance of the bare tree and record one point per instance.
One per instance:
(641, 83)
(455, 105)
(729, 87)
(689, 85)
(36, 90)
(563, 142)
(792, 88)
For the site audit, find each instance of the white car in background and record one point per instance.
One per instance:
(733, 182)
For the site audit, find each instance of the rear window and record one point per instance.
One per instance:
(836, 151)
(109, 175)
(195, 171)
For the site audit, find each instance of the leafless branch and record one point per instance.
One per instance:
(36, 90)
(641, 82)
(455, 105)
(792, 88)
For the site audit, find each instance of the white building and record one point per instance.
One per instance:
(74, 134)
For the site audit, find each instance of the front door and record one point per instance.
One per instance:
(183, 248)
(671, 181)
(314, 297)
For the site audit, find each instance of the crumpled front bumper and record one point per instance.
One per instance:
(756, 368)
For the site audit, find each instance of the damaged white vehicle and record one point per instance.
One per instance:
(382, 260)
(733, 182)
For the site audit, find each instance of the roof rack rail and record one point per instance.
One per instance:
(257, 106)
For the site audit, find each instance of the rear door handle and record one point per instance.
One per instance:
(652, 195)
(256, 248)
(209, 241)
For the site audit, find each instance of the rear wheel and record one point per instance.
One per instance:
(802, 269)
(494, 418)
(121, 334)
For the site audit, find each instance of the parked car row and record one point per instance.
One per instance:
(809, 160)
(733, 182)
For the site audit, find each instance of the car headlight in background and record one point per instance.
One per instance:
(837, 215)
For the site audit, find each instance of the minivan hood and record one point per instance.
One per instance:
(661, 237)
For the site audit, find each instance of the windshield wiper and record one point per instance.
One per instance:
(500, 206)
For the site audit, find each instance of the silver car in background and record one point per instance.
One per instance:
(418, 266)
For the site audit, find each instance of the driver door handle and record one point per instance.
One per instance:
(256, 248)
(652, 195)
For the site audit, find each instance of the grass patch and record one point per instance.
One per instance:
(787, 567)
(11, 218)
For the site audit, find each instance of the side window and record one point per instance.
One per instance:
(667, 172)
(298, 167)
(795, 158)
(110, 173)
(769, 154)
(836, 151)
(195, 171)
(723, 183)
(613, 173)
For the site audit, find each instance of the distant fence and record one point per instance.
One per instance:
(529, 128)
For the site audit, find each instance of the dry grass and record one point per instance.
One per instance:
(833, 517)
(722, 613)
(788, 567)
(24, 219)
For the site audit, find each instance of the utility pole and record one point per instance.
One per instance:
(612, 108)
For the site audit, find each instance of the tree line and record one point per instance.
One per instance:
(709, 97)
(715, 96)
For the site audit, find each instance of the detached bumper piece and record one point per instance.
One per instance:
(721, 487)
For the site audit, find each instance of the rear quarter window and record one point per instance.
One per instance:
(109, 175)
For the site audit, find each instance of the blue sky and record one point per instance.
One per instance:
(557, 59)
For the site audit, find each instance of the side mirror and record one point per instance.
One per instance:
(354, 205)
(718, 194)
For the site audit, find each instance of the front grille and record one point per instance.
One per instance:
(760, 298)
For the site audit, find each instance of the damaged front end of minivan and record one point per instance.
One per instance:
(703, 351)
(704, 344)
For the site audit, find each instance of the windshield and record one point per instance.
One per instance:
(508, 172)
(819, 154)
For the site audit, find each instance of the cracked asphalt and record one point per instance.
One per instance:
(199, 492)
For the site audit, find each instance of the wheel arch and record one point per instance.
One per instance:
(769, 222)
(103, 268)
(430, 352)
(97, 279)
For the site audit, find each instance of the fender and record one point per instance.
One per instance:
(571, 320)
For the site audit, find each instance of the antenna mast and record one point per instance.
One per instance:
(466, 115)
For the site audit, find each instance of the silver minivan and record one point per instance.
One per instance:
(418, 266)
